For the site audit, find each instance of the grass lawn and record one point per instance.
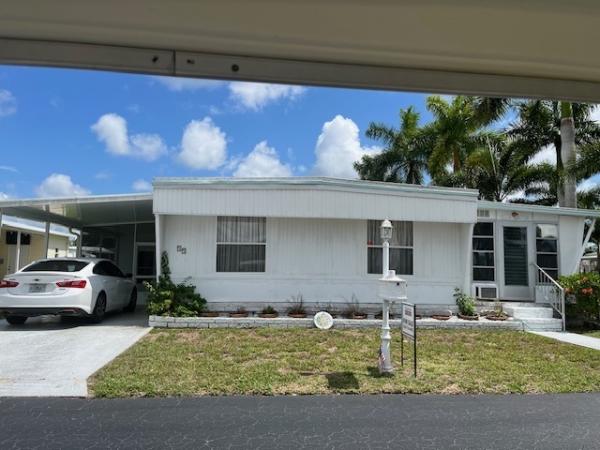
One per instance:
(591, 333)
(308, 361)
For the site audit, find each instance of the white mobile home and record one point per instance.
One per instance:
(262, 241)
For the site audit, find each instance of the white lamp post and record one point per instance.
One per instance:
(385, 365)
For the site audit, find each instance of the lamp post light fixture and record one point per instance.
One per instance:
(386, 230)
(385, 361)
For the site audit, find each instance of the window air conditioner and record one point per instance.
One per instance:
(485, 291)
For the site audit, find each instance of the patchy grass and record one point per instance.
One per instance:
(299, 361)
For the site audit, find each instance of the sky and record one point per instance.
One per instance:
(73, 132)
(66, 132)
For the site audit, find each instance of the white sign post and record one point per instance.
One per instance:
(409, 330)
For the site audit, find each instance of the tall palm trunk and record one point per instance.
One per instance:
(567, 195)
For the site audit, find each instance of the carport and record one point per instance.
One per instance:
(116, 227)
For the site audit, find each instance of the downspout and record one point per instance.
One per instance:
(468, 258)
(582, 249)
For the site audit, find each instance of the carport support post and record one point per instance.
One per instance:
(158, 233)
(18, 252)
(46, 234)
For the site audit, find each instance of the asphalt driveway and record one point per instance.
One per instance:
(48, 356)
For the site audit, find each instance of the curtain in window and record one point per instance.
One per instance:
(241, 244)
(401, 252)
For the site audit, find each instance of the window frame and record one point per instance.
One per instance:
(240, 244)
(492, 251)
(557, 253)
(400, 247)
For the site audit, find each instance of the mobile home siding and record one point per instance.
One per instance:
(325, 260)
(307, 202)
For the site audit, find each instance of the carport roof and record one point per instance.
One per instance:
(83, 211)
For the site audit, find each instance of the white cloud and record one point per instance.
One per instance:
(338, 147)
(111, 129)
(9, 169)
(255, 96)
(60, 185)
(263, 161)
(545, 155)
(589, 183)
(595, 114)
(8, 103)
(177, 84)
(141, 186)
(4, 196)
(203, 145)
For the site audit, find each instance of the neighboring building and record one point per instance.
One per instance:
(262, 241)
(32, 244)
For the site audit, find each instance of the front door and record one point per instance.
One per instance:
(145, 262)
(515, 262)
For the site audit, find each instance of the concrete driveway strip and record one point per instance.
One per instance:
(547, 422)
(50, 357)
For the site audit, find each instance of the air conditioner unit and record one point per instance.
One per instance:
(485, 291)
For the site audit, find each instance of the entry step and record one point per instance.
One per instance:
(528, 312)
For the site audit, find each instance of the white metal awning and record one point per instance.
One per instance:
(541, 48)
(83, 211)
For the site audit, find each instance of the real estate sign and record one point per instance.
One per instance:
(409, 331)
(408, 320)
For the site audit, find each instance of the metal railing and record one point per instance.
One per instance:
(548, 290)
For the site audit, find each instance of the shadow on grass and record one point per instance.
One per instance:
(342, 380)
(374, 372)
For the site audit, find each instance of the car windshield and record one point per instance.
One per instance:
(56, 265)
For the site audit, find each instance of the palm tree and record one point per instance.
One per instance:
(500, 170)
(456, 131)
(565, 126)
(404, 158)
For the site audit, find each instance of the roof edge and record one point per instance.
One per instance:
(311, 181)
(559, 211)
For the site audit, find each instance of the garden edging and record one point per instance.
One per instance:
(287, 322)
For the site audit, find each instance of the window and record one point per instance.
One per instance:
(483, 252)
(546, 246)
(56, 265)
(241, 243)
(401, 248)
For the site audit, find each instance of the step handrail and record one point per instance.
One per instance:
(544, 279)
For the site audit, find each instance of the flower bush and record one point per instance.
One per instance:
(166, 298)
(582, 292)
(465, 303)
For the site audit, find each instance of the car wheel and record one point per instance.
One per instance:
(16, 320)
(132, 301)
(99, 309)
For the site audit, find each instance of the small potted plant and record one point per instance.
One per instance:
(268, 312)
(353, 311)
(238, 313)
(466, 305)
(297, 310)
(442, 315)
(497, 313)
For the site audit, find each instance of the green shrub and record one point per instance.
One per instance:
(166, 298)
(465, 303)
(582, 292)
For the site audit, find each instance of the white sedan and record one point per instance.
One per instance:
(67, 287)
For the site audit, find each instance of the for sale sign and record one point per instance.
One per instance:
(408, 320)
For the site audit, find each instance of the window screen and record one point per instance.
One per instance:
(401, 248)
(241, 244)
